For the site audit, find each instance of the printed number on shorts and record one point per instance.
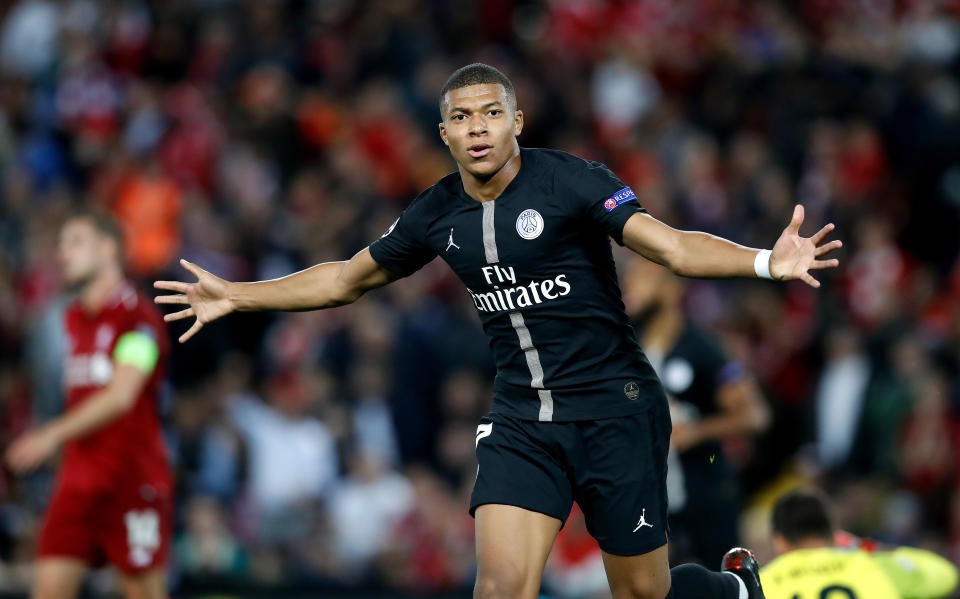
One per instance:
(143, 529)
(835, 592)
(484, 430)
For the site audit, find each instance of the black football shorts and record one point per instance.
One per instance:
(614, 468)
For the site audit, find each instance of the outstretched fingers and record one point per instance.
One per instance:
(797, 220)
(193, 268)
(827, 248)
(197, 325)
(171, 299)
(819, 235)
(806, 278)
(178, 286)
(820, 264)
(178, 315)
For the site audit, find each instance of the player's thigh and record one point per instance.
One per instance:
(512, 548)
(644, 576)
(150, 584)
(522, 463)
(58, 578)
(520, 499)
(620, 481)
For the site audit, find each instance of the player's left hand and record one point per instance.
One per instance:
(31, 450)
(794, 256)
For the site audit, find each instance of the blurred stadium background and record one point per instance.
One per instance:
(332, 452)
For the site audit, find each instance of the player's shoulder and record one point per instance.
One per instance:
(448, 186)
(432, 199)
(134, 308)
(571, 175)
(801, 559)
(559, 160)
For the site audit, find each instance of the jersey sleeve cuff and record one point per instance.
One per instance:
(379, 255)
(619, 218)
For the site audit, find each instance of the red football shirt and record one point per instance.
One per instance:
(128, 450)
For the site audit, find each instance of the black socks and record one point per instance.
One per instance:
(691, 581)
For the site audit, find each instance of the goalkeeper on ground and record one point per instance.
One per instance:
(811, 565)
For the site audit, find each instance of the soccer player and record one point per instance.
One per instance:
(578, 413)
(112, 502)
(810, 566)
(713, 399)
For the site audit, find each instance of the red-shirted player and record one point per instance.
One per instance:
(113, 498)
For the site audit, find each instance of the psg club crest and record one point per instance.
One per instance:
(530, 224)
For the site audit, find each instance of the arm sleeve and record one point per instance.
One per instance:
(137, 348)
(402, 250)
(605, 199)
(918, 574)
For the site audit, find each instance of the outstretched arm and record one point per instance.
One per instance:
(322, 286)
(694, 254)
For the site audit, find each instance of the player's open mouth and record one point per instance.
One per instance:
(479, 150)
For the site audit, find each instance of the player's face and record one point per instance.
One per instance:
(480, 126)
(82, 252)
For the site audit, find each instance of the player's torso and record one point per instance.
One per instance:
(542, 279)
(130, 445)
(826, 574)
(518, 252)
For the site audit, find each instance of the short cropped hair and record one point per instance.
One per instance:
(802, 514)
(104, 224)
(477, 74)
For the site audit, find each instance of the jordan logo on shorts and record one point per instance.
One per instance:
(643, 521)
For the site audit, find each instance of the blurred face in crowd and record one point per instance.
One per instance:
(480, 126)
(84, 252)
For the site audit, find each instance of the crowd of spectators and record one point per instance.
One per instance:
(335, 449)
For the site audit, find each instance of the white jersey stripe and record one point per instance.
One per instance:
(516, 319)
(529, 351)
(489, 233)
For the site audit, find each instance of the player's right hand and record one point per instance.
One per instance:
(31, 449)
(208, 298)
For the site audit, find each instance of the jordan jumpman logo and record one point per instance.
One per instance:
(450, 243)
(643, 521)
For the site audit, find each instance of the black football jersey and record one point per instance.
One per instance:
(537, 263)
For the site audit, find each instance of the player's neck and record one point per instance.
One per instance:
(812, 543)
(100, 288)
(485, 190)
(662, 329)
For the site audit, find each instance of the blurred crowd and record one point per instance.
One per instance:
(335, 449)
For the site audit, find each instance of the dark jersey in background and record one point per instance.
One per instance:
(704, 508)
(538, 266)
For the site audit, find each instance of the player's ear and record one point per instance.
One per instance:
(443, 133)
(517, 122)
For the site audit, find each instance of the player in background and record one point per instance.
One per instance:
(112, 502)
(711, 399)
(578, 413)
(811, 566)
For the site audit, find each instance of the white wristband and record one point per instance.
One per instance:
(761, 264)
